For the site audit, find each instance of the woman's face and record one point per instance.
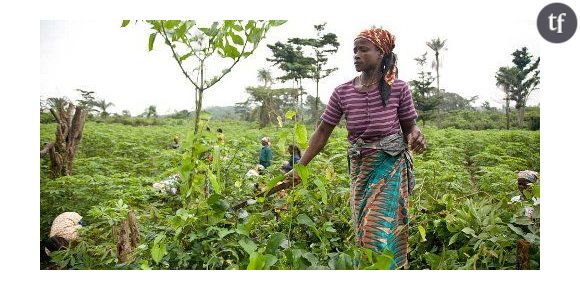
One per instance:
(367, 56)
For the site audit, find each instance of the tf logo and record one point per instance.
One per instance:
(557, 22)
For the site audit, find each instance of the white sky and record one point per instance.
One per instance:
(99, 55)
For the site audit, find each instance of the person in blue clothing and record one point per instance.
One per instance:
(295, 156)
(266, 153)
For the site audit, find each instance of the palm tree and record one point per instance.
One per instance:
(103, 105)
(507, 79)
(437, 45)
(264, 75)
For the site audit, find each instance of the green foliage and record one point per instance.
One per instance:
(461, 212)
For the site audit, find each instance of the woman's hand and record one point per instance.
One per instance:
(290, 179)
(415, 139)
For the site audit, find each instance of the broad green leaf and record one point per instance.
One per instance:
(523, 220)
(152, 40)
(125, 23)
(270, 261)
(231, 51)
(322, 188)
(290, 114)
(516, 230)
(224, 232)
(301, 135)
(237, 39)
(453, 239)
(468, 231)
(170, 24)
(248, 245)
(257, 261)
(343, 262)
(305, 220)
(242, 230)
(303, 172)
(214, 183)
(277, 22)
(422, 232)
(273, 182)
(274, 242)
(158, 251)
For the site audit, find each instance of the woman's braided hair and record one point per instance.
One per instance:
(388, 62)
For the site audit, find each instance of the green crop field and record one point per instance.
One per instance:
(462, 216)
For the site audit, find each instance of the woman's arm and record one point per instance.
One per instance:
(317, 142)
(413, 136)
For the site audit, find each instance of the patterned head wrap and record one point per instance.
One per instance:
(385, 41)
(528, 175)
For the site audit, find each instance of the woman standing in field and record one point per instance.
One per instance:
(380, 120)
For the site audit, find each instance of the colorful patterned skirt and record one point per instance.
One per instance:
(380, 187)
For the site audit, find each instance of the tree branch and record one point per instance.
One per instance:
(164, 34)
(236, 60)
(46, 148)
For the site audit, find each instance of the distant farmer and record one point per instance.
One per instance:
(221, 137)
(266, 153)
(526, 178)
(380, 120)
(175, 143)
(63, 231)
(295, 155)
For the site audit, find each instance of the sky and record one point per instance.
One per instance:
(115, 62)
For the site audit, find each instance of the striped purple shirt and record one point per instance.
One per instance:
(365, 115)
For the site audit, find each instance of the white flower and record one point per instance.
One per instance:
(243, 214)
(516, 198)
(252, 172)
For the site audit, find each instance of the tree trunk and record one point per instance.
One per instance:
(521, 113)
(523, 255)
(263, 115)
(507, 112)
(439, 121)
(128, 239)
(199, 98)
(69, 133)
(197, 110)
(123, 242)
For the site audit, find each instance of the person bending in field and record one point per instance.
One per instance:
(266, 153)
(64, 230)
(525, 179)
(295, 155)
(221, 137)
(380, 120)
(175, 144)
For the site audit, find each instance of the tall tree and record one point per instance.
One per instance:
(423, 91)
(526, 81)
(150, 112)
(87, 101)
(322, 46)
(506, 79)
(290, 58)
(264, 75)
(192, 46)
(437, 45)
(69, 133)
(102, 105)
